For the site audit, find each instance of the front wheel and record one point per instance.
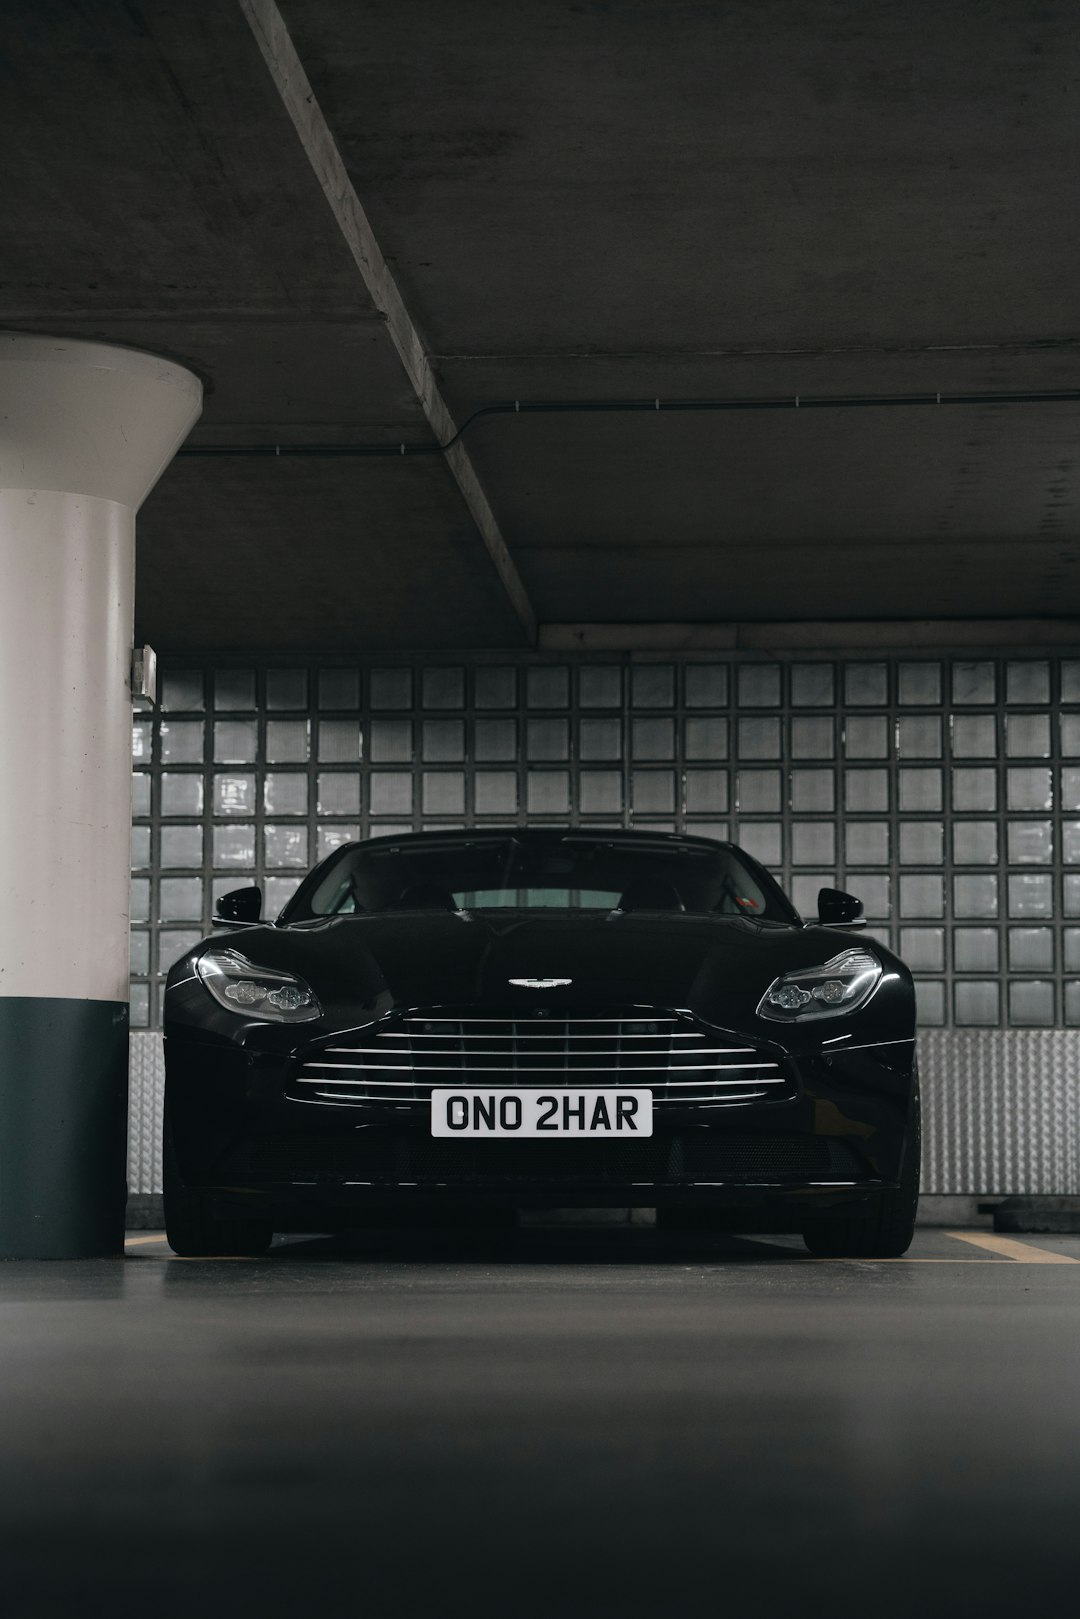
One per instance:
(884, 1229)
(193, 1227)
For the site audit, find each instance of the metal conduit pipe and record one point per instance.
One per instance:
(558, 407)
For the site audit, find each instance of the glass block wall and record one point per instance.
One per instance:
(944, 792)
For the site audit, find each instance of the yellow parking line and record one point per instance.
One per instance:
(1025, 1253)
(133, 1242)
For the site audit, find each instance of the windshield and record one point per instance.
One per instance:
(572, 872)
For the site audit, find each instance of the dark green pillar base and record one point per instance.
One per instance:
(63, 1127)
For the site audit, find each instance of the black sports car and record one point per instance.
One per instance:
(491, 1020)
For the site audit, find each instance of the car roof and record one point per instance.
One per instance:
(599, 834)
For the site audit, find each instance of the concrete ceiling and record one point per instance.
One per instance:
(573, 201)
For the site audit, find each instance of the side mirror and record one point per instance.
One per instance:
(836, 909)
(240, 908)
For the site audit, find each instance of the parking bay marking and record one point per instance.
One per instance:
(1025, 1253)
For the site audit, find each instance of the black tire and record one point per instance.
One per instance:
(884, 1229)
(194, 1229)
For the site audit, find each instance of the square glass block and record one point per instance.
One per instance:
(866, 843)
(1029, 843)
(974, 682)
(813, 790)
(390, 688)
(1070, 787)
(495, 741)
(758, 685)
(813, 738)
(443, 687)
(866, 736)
(495, 792)
(1072, 1003)
(975, 896)
(442, 741)
(759, 739)
(547, 792)
(139, 950)
(1070, 736)
(976, 950)
(600, 686)
(600, 739)
(922, 843)
(279, 891)
(974, 788)
(1070, 894)
(805, 889)
(547, 740)
(234, 689)
(235, 742)
(918, 684)
(1027, 736)
(706, 737)
(1029, 787)
(340, 741)
(442, 792)
(180, 899)
(338, 792)
(918, 736)
(929, 1003)
(139, 903)
(390, 792)
(142, 741)
(339, 688)
(974, 736)
(140, 1006)
(920, 789)
(652, 685)
(391, 742)
(1070, 680)
(975, 843)
(720, 831)
(285, 792)
(1072, 950)
(140, 848)
(1031, 1003)
(765, 841)
(757, 792)
(813, 685)
(1031, 893)
(922, 894)
(495, 686)
(285, 845)
(286, 688)
(813, 843)
(181, 846)
(182, 689)
(875, 891)
(234, 793)
(140, 792)
(547, 685)
(234, 846)
(706, 685)
(923, 949)
(1070, 843)
(652, 792)
(332, 837)
(1027, 681)
(287, 741)
(601, 792)
(977, 1003)
(174, 943)
(866, 685)
(181, 793)
(652, 739)
(866, 792)
(706, 792)
(1031, 950)
(182, 742)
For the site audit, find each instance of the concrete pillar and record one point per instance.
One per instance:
(85, 432)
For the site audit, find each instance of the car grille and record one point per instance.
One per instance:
(681, 1061)
(408, 1157)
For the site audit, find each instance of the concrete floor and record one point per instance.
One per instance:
(543, 1423)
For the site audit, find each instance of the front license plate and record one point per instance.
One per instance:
(616, 1114)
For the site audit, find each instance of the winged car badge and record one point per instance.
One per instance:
(540, 983)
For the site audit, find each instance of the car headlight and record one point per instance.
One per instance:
(841, 985)
(240, 986)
